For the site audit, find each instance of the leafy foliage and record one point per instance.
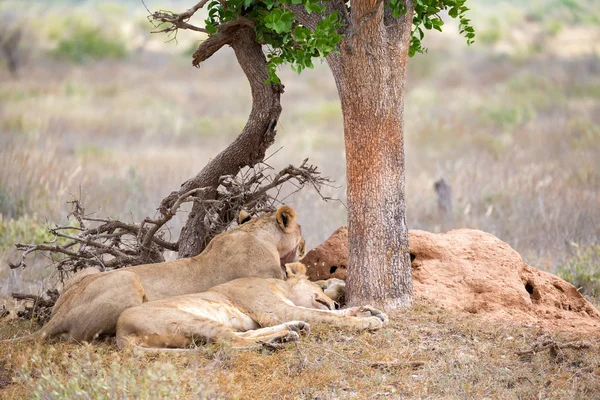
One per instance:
(23, 229)
(84, 42)
(583, 270)
(26, 229)
(290, 42)
(427, 16)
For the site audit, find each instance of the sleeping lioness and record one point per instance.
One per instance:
(244, 312)
(92, 302)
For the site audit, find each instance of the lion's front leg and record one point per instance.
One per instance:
(364, 318)
(273, 336)
(364, 312)
(300, 327)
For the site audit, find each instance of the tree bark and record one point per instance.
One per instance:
(250, 146)
(370, 74)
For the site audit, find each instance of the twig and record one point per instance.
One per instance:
(373, 364)
(177, 21)
(546, 342)
(4, 312)
(30, 297)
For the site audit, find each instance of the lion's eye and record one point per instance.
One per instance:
(323, 302)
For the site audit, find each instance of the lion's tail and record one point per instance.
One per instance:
(162, 349)
(33, 337)
(47, 331)
(143, 349)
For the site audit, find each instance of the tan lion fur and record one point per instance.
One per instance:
(243, 312)
(92, 301)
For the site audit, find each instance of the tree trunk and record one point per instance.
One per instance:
(250, 146)
(370, 75)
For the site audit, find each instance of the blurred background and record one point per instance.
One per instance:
(90, 100)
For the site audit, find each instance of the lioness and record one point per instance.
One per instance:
(92, 302)
(243, 312)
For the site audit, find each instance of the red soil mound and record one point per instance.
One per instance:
(474, 271)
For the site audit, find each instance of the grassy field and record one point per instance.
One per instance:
(102, 107)
(425, 352)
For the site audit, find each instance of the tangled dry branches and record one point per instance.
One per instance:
(105, 243)
(165, 21)
(36, 306)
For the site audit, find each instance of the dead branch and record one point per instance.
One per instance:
(37, 307)
(255, 191)
(176, 21)
(395, 364)
(180, 21)
(36, 299)
(106, 244)
(546, 342)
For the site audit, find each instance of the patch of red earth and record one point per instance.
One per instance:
(476, 272)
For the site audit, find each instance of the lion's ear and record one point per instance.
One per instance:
(295, 269)
(322, 284)
(285, 218)
(243, 217)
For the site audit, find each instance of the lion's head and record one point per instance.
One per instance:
(282, 227)
(305, 293)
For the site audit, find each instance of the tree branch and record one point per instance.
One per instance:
(250, 146)
(546, 342)
(176, 21)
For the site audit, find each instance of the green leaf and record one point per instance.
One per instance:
(279, 26)
(313, 7)
(437, 22)
(301, 33)
(210, 27)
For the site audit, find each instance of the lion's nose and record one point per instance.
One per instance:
(336, 305)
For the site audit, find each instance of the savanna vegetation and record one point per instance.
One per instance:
(97, 105)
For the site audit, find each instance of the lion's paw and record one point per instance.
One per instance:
(371, 322)
(300, 327)
(373, 312)
(278, 342)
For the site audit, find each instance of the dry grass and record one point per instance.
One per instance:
(425, 352)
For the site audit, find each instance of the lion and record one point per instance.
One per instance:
(92, 301)
(246, 312)
(334, 288)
